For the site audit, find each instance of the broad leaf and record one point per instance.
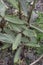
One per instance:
(24, 40)
(36, 28)
(3, 8)
(29, 33)
(16, 42)
(33, 40)
(40, 36)
(38, 24)
(17, 55)
(14, 27)
(6, 45)
(27, 40)
(10, 32)
(14, 3)
(14, 20)
(24, 6)
(32, 45)
(6, 38)
(17, 27)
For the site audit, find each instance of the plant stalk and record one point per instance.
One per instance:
(30, 11)
(19, 6)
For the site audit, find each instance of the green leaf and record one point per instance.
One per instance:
(40, 36)
(32, 45)
(5, 46)
(29, 33)
(3, 8)
(14, 27)
(29, 0)
(17, 55)
(6, 38)
(24, 6)
(40, 50)
(37, 28)
(17, 27)
(38, 24)
(32, 40)
(17, 42)
(25, 40)
(10, 32)
(14, 3)
(14, 20)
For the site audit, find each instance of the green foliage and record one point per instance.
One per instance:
(14, 3)
(19, 32)
(29, 33)
(14, 20)
(3, 8)
(39, 22)
(17, 55)
(17, 42)
(6, 38)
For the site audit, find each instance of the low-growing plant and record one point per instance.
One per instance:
(22, 28)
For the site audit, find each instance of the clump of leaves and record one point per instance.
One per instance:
(20, 33)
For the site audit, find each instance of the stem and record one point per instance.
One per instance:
(30, 12)
(34, 27)
(2, 24)
(19, 6)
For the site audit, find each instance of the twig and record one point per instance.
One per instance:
(37, 60)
